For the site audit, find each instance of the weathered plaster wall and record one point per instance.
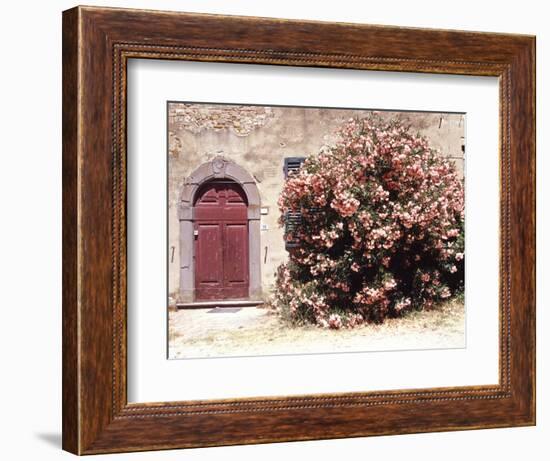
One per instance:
(258, 139)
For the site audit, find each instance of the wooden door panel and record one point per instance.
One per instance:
(209, 260)
(235, 254)
(221, 246)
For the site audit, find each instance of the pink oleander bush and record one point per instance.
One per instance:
(382, 228)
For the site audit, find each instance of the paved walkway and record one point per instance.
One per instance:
(257, 331)
(196, 324)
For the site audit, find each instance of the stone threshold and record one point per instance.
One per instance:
(225, 303)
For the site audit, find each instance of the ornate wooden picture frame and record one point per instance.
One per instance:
(97, 44)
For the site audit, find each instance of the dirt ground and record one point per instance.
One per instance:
(222, 332)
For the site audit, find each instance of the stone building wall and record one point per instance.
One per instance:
(258, 139)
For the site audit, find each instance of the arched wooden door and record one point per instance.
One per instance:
(221, 242)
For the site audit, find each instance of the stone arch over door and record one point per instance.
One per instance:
(218, 168)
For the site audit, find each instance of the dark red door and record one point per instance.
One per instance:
(221, 242)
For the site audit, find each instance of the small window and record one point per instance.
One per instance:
(292, 164)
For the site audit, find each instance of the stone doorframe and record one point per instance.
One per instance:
(218, 168)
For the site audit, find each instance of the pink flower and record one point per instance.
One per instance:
(345, 204)
(452, 233)
(390, 284)
(402, 304)
(335, 322)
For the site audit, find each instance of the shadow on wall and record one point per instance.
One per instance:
(50, 438)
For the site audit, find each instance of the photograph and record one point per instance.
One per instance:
(275, 230)
(313, 230)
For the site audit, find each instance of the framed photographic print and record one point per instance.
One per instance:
(284, 230)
